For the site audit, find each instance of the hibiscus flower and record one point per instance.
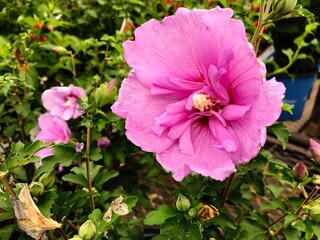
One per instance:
(197, 95)
(52, 129)
(62, 101)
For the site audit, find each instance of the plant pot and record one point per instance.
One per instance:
(297, 93)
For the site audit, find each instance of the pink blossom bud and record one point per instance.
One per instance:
(300, 171)
(60, 50)
(103, 142)
(315, 150)
(79, 146)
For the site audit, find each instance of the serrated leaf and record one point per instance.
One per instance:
(316, 230)
(292, 234)
(281, 132)
(159, 216)
(255, 179)
(46, 201)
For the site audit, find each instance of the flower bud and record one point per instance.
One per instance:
(283, 7)
(36, 189)
(79, 146)
(300, 171)
(103, 142)
(105, 93)
(315, 213)
(315, 150)
(192, 213)
(182, 203)
(48, 179)
(60, 50)
(75, 237)
(87, 230)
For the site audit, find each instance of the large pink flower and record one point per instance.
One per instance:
(52, 129)
(62, 101)
(197, 95)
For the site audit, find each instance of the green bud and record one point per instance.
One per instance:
(192, 213)
(36, 189)
(60, 50)
(48, 179)
(105, 93)
(182, 203)
(87, 230)
(315, 213)
(76, 237)
(283, 7)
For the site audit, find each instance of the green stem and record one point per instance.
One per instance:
(88, 168)
(73, 65)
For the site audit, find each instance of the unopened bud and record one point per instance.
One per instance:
(105, 93)
(315, 150)
(192, 213)
(48, 179)
(300, 171)
(182, 203)
(36, 189)
(283, 7)
(87, 230)
(60, 50)
(76, 237)
(103, 142)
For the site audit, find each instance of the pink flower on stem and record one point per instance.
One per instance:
(197, 95)
(62, 101)
(52, 129)
(103, 142)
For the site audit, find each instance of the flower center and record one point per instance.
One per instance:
(68, 103)
(203, 102)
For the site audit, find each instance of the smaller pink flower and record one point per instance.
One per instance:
(63, 101)
(315, 150)
(103, 142)
(52, 129)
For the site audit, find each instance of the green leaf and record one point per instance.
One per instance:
(104, 176)
(273, 204)
(292, 234)
(5, 232)
(316, 230)
(289, 219)
(159, 216)
(281, 132)
(61, 154)
(95, 154)
(255, 179)
(287, 107)
(21, 154)
(46, 201)
(177, 228)
(251, 230)
(77, 179)
(276, 190)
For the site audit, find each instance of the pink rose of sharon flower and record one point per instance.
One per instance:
(62, 101)
(197, 95)
(52, 129)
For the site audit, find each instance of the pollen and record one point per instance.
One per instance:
(68, 103)
(202, 102)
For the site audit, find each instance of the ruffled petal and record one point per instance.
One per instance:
(166, 49)
(233, 112)
(140, 109)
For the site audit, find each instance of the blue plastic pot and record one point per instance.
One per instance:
(297, 93)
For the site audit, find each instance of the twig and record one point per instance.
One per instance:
(227, 188)
(7, 184)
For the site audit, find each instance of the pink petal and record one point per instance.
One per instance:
(233, 112)
(140, 108)
(166, 49)
(46, 152)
